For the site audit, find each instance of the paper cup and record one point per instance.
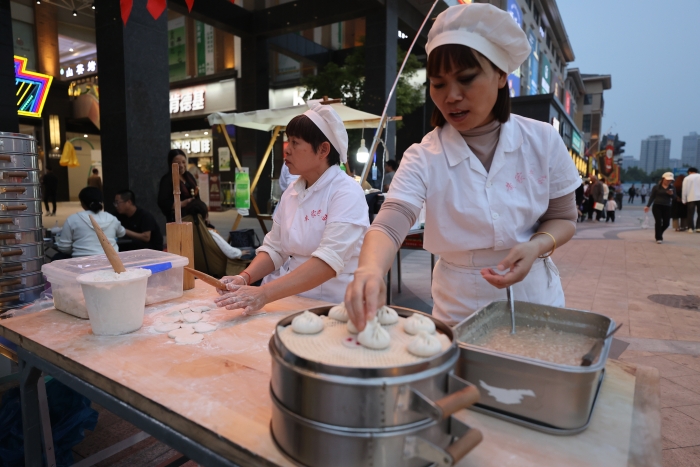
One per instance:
(115, 302)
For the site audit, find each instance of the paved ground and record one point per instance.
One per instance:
(607, 268)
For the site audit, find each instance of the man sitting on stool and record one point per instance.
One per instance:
(142, 231)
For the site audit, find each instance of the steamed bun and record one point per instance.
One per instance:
(374, 336)
(339, 313)
(307, 323)
(424, 345)
(387, 316)
(416, 323)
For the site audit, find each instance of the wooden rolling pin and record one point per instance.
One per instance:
(112, 255)
(206, 278)
(179, 234)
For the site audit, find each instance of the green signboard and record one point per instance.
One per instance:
(546, 76)
(177, 54)
(576, 142)
(200, 40)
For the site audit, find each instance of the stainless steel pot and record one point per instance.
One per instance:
(557, 397)
(12, 223)
(20, 192)
(16, 176)
(22, 267)
(9, 284)
(21, 237)
(18, 253)
(23, 206)
(18, 161)
(361, 397)
(18, 297)
(17, 142)
(418, 444)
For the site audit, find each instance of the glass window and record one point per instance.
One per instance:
(587, 123)
(588, 99)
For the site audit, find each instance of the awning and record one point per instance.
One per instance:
(268, 119)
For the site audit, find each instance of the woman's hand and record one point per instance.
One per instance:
(250, 299)
(365, 294)
(646, 208)
(185, 202)
(232, 283)
(519, 261)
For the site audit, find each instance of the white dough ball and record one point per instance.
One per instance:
(387, 316)
(351, 328)
(189, 339)
(201, 328)
(424, 345)
(180, 332)
(416, 323)
(307, 323)
(339, 313)
(374, 336)
(166, 327)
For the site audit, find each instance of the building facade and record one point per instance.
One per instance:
(630, 161)
(655, 153)
(690, 155)
(591, 109)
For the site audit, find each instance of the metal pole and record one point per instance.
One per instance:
(383, 119)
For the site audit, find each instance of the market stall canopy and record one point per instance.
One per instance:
(268, 119)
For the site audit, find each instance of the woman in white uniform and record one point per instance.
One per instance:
(499, 189)
(318, 226)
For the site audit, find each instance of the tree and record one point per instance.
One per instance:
(347, 82)
(655, 176)
(634, 174)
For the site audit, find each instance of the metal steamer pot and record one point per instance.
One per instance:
(21, 237)
(17, 143)
(19, 177)
(13, 223)
(23, 206)
(18, 161)
(377, 416)
(9, 284)
(8, 192)
(15, 298)
(16, 253)
(23, 267)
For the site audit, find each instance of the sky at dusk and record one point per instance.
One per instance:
(652, 51)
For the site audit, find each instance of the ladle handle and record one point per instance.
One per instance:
(464, 445)
(112, 255)
(176, 192)
(458, 400)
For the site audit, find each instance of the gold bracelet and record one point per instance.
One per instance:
(553, 240)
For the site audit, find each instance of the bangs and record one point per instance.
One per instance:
(449, 57)
(303, 127)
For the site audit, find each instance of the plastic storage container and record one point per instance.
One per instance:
(165, 282)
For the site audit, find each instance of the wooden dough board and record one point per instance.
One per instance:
(217, 392)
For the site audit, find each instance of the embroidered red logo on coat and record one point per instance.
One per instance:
(519, 177)
(509, 187)
(541, 179)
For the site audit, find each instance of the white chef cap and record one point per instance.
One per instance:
(329, 122)
(484, 28)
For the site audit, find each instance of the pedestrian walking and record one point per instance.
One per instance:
(610, 207)
(619, 196)
(679, 211)
(632, 192)
(661, 198)
(644, 192)
(49, 184)
(94, 180)
(691, 198)
(596, 198)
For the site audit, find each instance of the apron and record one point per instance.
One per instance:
(459, 289)
(303, 220)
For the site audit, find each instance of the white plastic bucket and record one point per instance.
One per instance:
(115, 302)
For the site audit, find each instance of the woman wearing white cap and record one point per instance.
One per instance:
(318, 226)
(499, 189)
(661, 197)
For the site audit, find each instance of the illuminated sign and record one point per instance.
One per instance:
(187, 100)
(32, 89)
(77, 69)
(197, 146)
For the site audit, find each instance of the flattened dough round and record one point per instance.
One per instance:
(180, 332)
(189, 339)
(192, 317)
(202, 328)
(169, 318)
(201, 309)
(166, 327)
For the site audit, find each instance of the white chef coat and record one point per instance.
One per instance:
(473, 217)
(328, 221)
(691, 188)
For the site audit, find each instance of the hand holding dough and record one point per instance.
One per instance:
(351, 328)
(416, 323)
(307, 323)
(387, 315)
(374, 336)
(339, 313)
(424, 345)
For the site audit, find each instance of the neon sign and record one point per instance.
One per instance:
(32, 89)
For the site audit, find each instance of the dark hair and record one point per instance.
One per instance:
(392, 163)
(173, 153)
(95, 171)
(92, 198)
(127, 195)
(460, 57)
(611, 195)
(303, 127)
(692, 169)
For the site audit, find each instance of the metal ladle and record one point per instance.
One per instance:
(511, 303)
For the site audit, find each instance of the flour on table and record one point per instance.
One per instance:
(180, 332)
(200, 309)
(189, 339)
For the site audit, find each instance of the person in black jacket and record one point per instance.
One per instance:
(189, 192)
(50, 186)
(661, 197)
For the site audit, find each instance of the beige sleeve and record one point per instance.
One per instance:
(563, 208)
(395, 219)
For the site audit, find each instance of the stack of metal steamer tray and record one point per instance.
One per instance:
(21, 234)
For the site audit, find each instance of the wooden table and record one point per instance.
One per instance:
(211, 401)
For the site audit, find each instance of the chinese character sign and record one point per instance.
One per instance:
(194, 146)
(187, 100)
